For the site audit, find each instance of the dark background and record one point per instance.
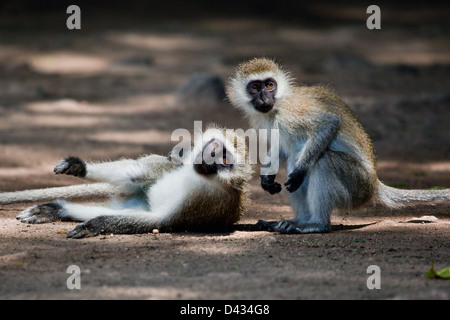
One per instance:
(398, 74)
(138, 70)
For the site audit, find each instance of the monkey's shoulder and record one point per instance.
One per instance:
(156, 163)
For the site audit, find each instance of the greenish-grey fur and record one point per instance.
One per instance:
(330, 158)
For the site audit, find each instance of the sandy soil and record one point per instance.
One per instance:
(110, 91)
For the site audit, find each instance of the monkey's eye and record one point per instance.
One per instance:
(227, 158)
(269, 84)
(256, 86)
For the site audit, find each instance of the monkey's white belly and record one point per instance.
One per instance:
(168, 193)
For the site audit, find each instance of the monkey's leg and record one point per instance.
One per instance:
(312, 204)
(299, 203)
(118, 224)
(336, 181)
(304, 221)
(66, 211)
(312, 150)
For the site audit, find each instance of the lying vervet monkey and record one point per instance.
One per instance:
(206, 194)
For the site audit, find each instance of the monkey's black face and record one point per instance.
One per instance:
(213, 158)
(263, 94)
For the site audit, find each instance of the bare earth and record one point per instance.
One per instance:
(109, 91)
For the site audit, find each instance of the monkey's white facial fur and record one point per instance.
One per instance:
(215, 156)
(257, 70)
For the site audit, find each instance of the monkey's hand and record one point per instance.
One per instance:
(295, 179)
(268, 183)
(72, 166)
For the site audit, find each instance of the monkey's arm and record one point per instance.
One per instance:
(325, 131)
(126, 173)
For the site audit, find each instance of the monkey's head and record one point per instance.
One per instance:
(223, 155)
(213, 158)
(258, 85)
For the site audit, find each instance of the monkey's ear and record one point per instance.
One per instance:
(175, 155)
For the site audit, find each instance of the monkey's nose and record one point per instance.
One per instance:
(264, 96)
(267, 100)
(264, 103)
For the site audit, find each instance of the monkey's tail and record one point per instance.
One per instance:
(398, 198)
(76, 191)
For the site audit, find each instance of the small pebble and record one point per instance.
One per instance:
(155, 231)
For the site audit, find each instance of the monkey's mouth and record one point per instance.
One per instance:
(205, 169)
(263, 105)
(213, 158)
(264, 108)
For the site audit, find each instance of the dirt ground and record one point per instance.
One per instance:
(110, 90)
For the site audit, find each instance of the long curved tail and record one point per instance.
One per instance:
(397, 198)
(76, 191)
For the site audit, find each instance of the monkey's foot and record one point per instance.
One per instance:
(85, 230)
(72, 166)
(109, 224)
(262, 225)
(286, 226)
(41, 213)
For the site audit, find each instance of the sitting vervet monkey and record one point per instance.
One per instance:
(206, 194)
(330, 158)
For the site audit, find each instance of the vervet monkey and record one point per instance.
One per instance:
(153, 192)
(329, 157)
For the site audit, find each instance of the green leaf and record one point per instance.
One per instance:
(431, 274)
(441, 274)
(444, 273)
(436, 188)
